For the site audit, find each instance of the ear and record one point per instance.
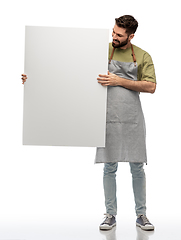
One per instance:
(131, 36)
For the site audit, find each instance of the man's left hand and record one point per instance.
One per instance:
(108, 80)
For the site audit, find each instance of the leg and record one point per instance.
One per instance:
(139, 187)
(109, 182)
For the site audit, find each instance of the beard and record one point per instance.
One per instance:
(118, 44)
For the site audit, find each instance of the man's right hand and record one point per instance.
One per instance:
(24, 77)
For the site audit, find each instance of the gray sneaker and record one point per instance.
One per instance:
(143, 222)
(109, 222)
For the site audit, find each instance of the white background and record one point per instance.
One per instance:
(48, 184)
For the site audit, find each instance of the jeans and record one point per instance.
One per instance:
(138, 183)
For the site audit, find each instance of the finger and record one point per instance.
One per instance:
(104, 76)
(104, 82)
(110, 74)
(24, 75)
(102, 79)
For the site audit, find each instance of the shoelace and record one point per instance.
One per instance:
(145, 219)
(107, 217)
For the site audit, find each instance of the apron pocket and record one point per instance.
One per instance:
(122, 113)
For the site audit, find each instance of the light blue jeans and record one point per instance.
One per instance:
(138, 183)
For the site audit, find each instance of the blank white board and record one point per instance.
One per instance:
(63, 103)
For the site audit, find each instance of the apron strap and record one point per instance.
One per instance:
(111, 55)
(134, 57)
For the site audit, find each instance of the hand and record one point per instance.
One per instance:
(24, 77)
(108, 80)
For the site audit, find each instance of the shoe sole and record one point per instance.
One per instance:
(146, 228)
(106, 227)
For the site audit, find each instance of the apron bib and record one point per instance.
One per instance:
(125, 125)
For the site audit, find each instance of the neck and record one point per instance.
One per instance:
(128, 45)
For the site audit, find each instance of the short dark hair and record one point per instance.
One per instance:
(128, 22)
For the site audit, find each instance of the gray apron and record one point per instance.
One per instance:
(125, 125)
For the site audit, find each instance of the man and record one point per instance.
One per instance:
(131, 71)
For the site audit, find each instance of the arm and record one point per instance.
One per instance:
(114, 80)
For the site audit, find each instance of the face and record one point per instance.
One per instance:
(120, 37)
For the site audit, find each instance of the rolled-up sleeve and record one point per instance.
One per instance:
(148, 70)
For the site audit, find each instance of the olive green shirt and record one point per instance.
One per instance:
(146, 71)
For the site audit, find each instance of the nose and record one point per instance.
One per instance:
(113, 34)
